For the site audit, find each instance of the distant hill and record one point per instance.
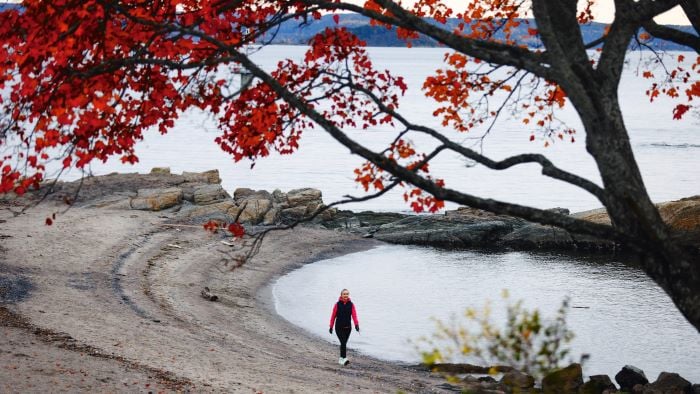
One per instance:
(5, 6)
(299, 32)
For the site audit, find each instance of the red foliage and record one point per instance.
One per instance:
(212, 226)
(680, 110)
(236, 229)
(84, 80)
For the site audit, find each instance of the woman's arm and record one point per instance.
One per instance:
(354, 318)
(335, 311)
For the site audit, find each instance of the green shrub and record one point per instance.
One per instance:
(526, 342)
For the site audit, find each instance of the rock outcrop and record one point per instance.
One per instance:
(208, 194)
(669, 383)
(518, 381)
(630, 376)
(156, 199)
(199, 196)
(565, 380)
(597, 384)
(470, 228)
(444, 231)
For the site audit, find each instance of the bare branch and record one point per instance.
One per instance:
(673, 35)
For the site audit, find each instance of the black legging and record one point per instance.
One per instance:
(343, 334)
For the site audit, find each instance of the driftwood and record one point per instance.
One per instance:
(206, 293)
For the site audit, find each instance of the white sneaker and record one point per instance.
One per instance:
(341, 361)
(346, 361)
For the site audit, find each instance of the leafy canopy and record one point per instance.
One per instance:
(84, 80)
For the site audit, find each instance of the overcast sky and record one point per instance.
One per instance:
(603, 11)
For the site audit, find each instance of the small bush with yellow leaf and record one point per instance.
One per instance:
(526, 342)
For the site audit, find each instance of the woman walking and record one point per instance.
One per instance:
(342, 311)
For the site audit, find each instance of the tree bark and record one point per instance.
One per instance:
(632, 211)
(593, 92)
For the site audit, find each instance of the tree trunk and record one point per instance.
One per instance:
(632, 211)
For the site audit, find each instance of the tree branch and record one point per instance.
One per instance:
(532, 214)
(548, 168)
(692, 11)
(673, 35)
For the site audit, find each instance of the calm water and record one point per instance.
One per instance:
(668, 151)
(398, 288)
(627, 319)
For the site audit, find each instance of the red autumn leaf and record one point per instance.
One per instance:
(211, 226)
(680, 110)
(693, 91)
(236, 229)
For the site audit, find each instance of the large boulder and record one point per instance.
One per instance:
(254, 210)
(629, 376)
(160, 170)
(683, 214)
(599, 216)
(271, 217)
(291, 215)
(565, 380)
(597, 384)
(303, 196)
(211, 176)
(669, 383)
(208, 193)
(255, 205)
(518, 381)
(156, 199)
(243, 193)
(188, 190)
(279, 198)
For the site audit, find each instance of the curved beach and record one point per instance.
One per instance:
(109, 299)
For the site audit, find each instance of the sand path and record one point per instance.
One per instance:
(113, 304)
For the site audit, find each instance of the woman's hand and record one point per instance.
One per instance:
(357, 328)
(330, 330)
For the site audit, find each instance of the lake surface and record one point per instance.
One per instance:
(668, 151)
(628, 319)
(619, 316)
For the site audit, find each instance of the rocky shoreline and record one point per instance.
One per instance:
(630, 379)
(199, 197)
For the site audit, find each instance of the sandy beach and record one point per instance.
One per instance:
(108, 300)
